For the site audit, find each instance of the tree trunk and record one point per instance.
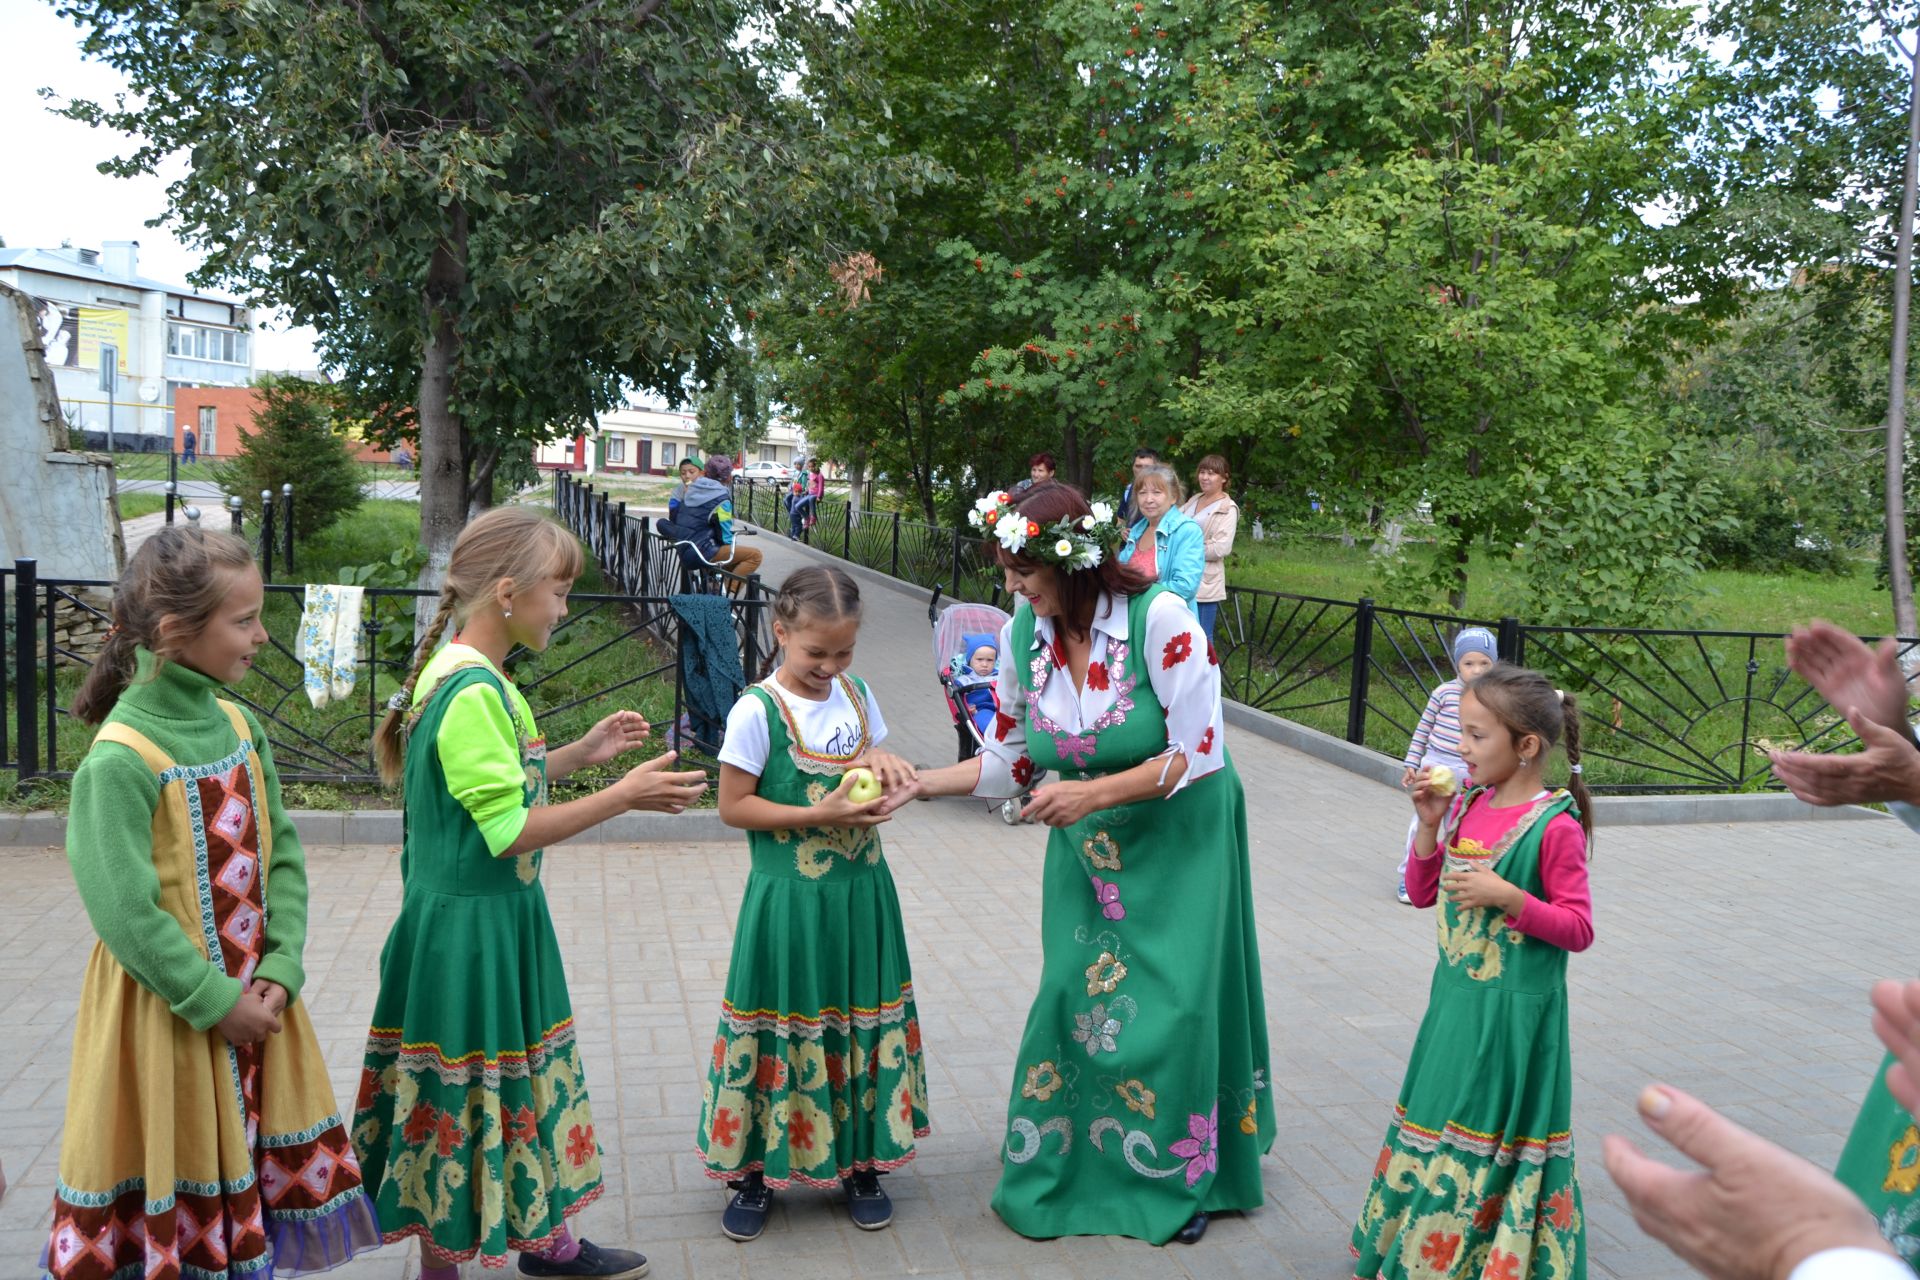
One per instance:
(1899, 568)
(1460, 553)
(443, 444)
(480, 479)
(856, 480)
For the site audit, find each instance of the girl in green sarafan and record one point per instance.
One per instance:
(1140, 1100)
(473, 1126)
(1476, 1177)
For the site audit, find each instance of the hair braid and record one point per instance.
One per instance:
(389, 743)
(1576, 780)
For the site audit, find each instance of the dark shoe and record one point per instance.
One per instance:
(1195, 1228)
(592, 1260)
(867, 1204)
(746, 1214)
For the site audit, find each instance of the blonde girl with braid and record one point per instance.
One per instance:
(473, 1126)
(197, 1080)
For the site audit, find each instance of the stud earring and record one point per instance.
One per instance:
(506, 613)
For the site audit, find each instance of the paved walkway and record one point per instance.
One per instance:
(1732, 961)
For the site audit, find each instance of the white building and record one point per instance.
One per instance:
(163, 336)
(651, 441)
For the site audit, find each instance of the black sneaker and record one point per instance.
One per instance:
(746, 1215)
(592, 1260)
(867, 1204)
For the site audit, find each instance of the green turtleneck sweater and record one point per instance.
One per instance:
(110, 846)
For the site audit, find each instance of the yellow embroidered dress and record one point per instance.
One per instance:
(816, 1068)
(184, 1155)
(473, 1122)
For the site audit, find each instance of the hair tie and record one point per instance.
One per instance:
(398, 702)
(113, 631)
(1560, 694)
(1573, 768)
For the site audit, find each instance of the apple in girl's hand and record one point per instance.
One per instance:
(1441, 782)
(865, 787)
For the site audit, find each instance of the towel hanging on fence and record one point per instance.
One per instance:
(710, 669)
(330, 641)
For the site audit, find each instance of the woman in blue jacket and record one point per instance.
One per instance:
(1165, 544)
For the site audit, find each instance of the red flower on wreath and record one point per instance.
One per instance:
(1023, 771)
(1097, 675)
(726, 1127)
(422, 1124)
(913, 1035)
(800, 1132)
(770, 1074)
(522, 1127)
(1003, 724)
(1178, 650)
(1439, 1249)
(837, 1070)
(1206, 742)
(449, 1137)
(1386, 1158)
(580, 1145)
(369, 1089)
(1487, 1216)
(1560, 1209)
(1501, 1265)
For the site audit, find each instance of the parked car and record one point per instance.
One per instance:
(778, 472)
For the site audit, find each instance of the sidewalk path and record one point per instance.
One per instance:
(1731, 961)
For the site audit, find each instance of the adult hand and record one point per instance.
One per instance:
(619, 733)
(1847, 673)
(889, 769)
(273, 993)
(1061, 804)
(1754, 1212)
(1896, 1020)
(250, 1021)
(1888, 769)
(650, 786)
(911, 789)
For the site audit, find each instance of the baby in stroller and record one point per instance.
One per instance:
(972, 675)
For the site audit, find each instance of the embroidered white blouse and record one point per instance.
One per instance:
(1182, 670)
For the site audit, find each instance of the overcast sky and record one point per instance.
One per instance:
(53, 190)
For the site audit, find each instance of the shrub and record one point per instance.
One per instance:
(295, 440)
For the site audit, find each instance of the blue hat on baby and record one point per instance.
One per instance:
(1474, 640)
(972, 644)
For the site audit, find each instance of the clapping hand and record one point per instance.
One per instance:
(1887, 769)
(1896, 1020)
(1847, 673)
(619, 733)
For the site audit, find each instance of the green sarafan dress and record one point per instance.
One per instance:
(1140, 1096)
(816, 1069)
(473, 1126)
(1476, 1177)
(1881, 1165)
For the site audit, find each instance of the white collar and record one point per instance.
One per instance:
(1109, 616)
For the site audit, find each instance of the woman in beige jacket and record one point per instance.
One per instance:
(1219, 519)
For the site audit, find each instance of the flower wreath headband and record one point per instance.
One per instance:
(1070, 543)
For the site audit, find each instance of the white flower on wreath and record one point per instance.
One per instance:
(1102, 512)
(987, 503)
(1011, 531)
(1089, 558)
(1063, 548)
(1087, 523)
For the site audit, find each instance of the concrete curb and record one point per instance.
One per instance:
(383, 826)
(1610, 811)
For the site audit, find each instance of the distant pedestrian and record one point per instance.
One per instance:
(1041, 469)
(189, 444)
(1143, 458)
(1163, 544)
(402, 457)
(1219, 519)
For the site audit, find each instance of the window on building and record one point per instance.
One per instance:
(198, 342)
(769, 453)
(208, 420)
(617, 449)
(667, 448)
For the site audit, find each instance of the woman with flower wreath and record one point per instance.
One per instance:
(1140, 1100)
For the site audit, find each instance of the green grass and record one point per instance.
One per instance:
(1730, 600)
(135, 505)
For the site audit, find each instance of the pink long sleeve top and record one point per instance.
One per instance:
(1563, 916)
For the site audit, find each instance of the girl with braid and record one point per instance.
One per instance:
(1476, 1175)
(473, 1126)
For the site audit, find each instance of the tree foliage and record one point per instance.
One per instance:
(297, 440)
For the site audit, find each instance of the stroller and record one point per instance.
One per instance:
(957, 630)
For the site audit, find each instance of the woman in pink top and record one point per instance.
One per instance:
(1476, 1176)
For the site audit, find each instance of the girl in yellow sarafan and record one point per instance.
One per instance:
(816, 1075)
(202, 1138)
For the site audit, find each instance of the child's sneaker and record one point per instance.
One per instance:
(592, 1260)
(867, 1204)
(1406, 899)
(746, 1215)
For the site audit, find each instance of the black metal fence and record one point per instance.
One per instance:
(1665, 711)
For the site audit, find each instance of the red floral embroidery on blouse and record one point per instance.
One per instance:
(1097, 675)
(1213, 655)
(1178, 650)
(1023, 771)
(1003, 724)
(1206, 742)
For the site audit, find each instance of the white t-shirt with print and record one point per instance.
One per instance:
(830, 726)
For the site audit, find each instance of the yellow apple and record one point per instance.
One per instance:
(865, 787)
(1441, 782)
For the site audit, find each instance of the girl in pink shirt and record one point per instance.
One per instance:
(1476, 1176)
